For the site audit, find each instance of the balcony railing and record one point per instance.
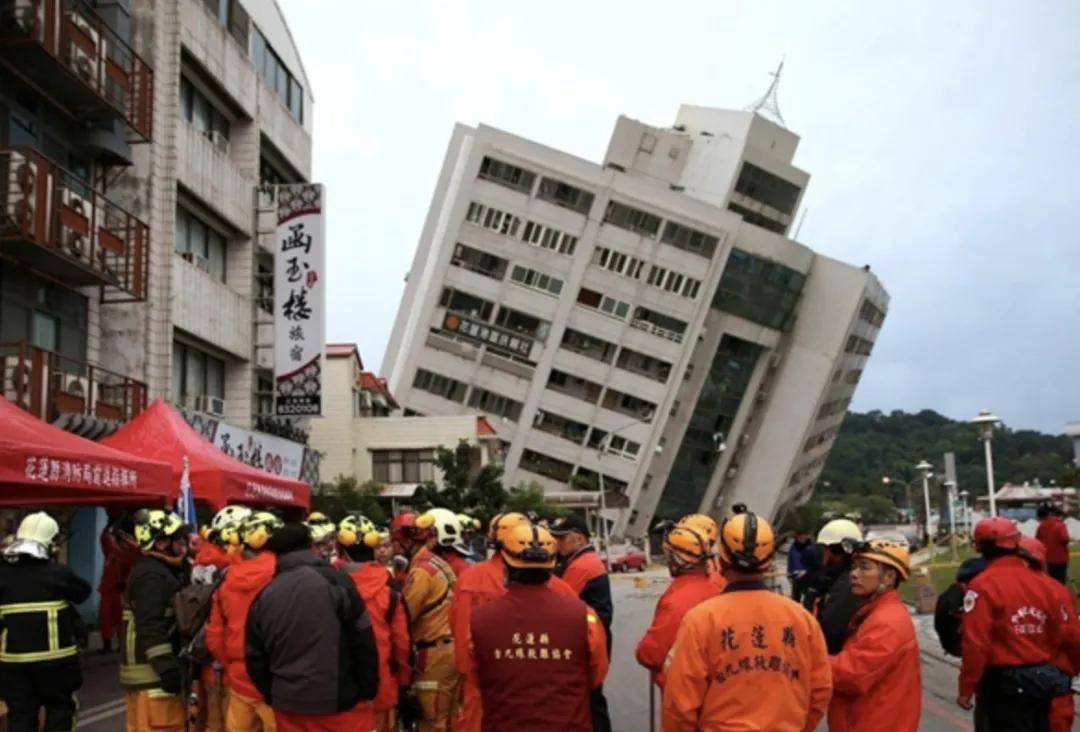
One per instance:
(50, 386)
(51, 220)
(100, 75)
(656, 330)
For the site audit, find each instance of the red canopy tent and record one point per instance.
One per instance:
(41, 464)
(160, 433)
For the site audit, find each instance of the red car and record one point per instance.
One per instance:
(632, 559)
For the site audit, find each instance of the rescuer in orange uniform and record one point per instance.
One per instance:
(245, 711)
(428, 591)
(1011, 627)
(1067, 656)
(877, 678)
(120, 551)
(749, 659)
(688, 555)
(357, 538)
(478, 585)
(706, 526)
(537, 653)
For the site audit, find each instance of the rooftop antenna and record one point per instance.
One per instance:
(768, 101)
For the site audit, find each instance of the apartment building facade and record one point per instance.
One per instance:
(138, 244)
(645, 324)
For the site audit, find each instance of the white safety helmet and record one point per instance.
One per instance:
(840, 531)
(35, 537)
(447, 527)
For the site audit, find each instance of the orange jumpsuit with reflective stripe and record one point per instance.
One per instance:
(734, 648)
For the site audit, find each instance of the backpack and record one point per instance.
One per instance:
(191, 608)
(949, 608)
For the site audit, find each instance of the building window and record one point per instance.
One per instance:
(647, 366)
(766, 188)
(439, 385)
(587, 345)
(546, 466)
(496, 404)
(47, 315)
(690, 240)
(622, 447)
(463, 302)
(859, 346)
(658, 324)
(230, 14)
(271, 175)
(564, 427)
(546, 237)
(605, 304)
(628, 404)
(632, 219)
(505, 174)
(195, 374)
(200, 243)
(536, 280)
(675, 282)
(872, 314)
(277, 77)
(574, 386)
(753, 217)
(519, 322)
(493, 219)
(836, 406)
(201, 114)
(853, 376)
(565, 195)
(264, 393)
(617, 262)
(403, 466)
(759, 290)
(479, 261)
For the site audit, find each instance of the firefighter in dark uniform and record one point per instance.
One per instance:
(149, 668)
(39, 661)
(536, 653)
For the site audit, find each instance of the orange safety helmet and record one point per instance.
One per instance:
(502, 524)
(527, 546)
(747, 542)
(888, 552)
(687, 546)
(703, 525)
(412, 526)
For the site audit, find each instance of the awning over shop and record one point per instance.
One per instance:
(41, 464)
(160, 433)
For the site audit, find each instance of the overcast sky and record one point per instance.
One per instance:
(943, 141)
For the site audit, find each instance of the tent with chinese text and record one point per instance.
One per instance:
(160, 433)
(44, 465)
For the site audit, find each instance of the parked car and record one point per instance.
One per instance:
(626, 561)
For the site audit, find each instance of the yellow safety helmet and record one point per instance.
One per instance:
(501, 526)
(747, 542)
(687, 546)
(257, 528)
(320, 526)
(225, 526)
(469, 525)
(891, 553)
(154, 524)
(526, 546)
(356, 528)
(703, 525)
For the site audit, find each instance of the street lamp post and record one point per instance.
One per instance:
(950, 486)
(967, 516)
(602, 448)
(924, 468)
(986, 423)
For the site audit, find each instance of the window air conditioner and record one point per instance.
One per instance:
(212, 405)
(72, 240)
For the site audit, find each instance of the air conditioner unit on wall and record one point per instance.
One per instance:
(212, 405)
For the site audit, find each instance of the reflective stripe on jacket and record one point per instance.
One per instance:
(36, 612)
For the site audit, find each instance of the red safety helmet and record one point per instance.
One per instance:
(997, 531)
(411, 526)
(1034, 551)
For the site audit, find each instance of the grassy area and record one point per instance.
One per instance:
(943, 571)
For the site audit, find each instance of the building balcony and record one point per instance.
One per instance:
(70, 393)
(51, 220)
(66, 51)
(205, 167)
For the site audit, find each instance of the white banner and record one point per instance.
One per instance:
(299, 300)
(275, 455)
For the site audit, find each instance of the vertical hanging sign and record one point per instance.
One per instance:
(299, 300)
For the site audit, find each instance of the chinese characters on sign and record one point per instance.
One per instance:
(74, 472)
(299, 300)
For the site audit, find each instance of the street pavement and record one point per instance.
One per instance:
(627, 688)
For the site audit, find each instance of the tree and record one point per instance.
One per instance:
(344, 496)
(528, 497)
(477, 492)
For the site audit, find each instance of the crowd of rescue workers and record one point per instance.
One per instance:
(431, 624)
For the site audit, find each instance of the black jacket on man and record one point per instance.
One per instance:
(837, 606)
(309, 644)
(153, 661)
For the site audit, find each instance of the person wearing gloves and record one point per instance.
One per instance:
(39, 653)
(877, 678)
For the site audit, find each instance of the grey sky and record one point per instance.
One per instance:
(943, 140)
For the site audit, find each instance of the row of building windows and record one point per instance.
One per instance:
(536, 280)
(440, 385)
(403, 466)
(479, 261)
(617, 262)
(836, 406)
(576, 432)
(632, 219)
(764, 187)
(820, 438)
(689, 239)
(493, 219)
(574, 386)
(551, 190)
(195, 374)
(604, 303)
(506, 174)
(496, 404)
(644, 365)
(533, 233)
(277, 76)
(546, 237)
(872, 314)
(565, 195)
(759, 290)
(859, 345)
(757, 219)
(200, 243)
(201, 113)
(673, 282)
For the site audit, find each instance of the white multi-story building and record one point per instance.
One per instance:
(646, 321)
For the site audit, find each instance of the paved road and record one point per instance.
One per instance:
(627, 687)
